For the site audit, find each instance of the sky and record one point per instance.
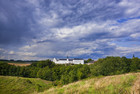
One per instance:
(43, 29)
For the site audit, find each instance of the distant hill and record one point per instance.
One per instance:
(20, 85)
(117, 84)
(18, 61)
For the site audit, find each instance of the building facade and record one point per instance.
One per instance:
(68, 61)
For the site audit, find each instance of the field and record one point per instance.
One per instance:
(20, 85)
(118, 84)
(19, 64)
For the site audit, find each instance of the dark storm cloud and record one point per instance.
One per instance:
(95, 36)
(15, 20)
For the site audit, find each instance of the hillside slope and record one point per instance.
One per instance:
(21, 85)
(117, 84)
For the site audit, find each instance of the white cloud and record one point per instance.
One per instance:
(132, 7)
(11, 52)
(128, 50)
(135, 35)
(26, 53)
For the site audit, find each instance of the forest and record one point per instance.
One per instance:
(64, 74)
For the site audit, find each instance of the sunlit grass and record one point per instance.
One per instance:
(118, 84)
(20, 85)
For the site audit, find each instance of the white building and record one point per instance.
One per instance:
(68, 61)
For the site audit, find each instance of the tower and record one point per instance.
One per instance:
(67, 59)
(133, 55)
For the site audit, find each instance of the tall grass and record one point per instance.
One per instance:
(118, 84)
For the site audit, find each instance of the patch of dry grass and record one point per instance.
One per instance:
(136, 86)
(117, 84)
(18, 64)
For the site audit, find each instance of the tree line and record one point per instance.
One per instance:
(64, 74)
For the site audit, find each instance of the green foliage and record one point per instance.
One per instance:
(114, 65)
(87, 61)
(42, 64)
(74, 73)
(135, 65)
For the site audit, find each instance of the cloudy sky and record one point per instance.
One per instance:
(41, 29)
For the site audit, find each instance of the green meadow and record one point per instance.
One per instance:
(21, 85)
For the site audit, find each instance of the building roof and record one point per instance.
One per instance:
(78, 59)
(62, 59)
(70, 59)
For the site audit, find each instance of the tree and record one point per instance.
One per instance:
(64, 79)
(111, 66)
(72, 76)
(87, 61)
(135, 64)
(44, 63)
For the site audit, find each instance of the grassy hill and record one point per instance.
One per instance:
(20, 85)
(117, 84)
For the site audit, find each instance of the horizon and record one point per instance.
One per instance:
(43, 29)
(63, 58)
